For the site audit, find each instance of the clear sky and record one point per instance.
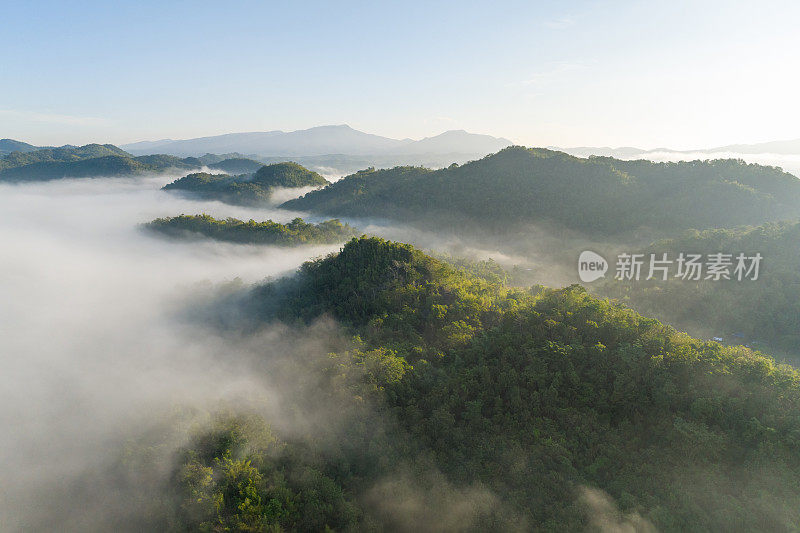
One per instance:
(648, 74)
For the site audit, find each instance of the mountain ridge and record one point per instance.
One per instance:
(322, 140)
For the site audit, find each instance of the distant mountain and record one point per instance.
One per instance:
(322, 140)
(790, 147)
(456, 141)
(10, 145)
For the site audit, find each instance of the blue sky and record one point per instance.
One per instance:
(677, 74)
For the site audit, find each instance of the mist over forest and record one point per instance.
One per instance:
(402, 267)
(263, 351)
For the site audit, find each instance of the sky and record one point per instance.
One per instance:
(624, 73)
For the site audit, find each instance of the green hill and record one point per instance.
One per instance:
(598, 196)
(765, 311)
(532, 398)
(232, 230)
(91, 160)
(288, 175)
(62, 154)
(10, 145)
(111, 165)
(164, 161)
(239, 165)
(246, 190)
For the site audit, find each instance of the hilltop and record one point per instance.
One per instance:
(251, 232)
(323, 140)
(91, 160)
(598, 196)
(247, 189)
(536, 396)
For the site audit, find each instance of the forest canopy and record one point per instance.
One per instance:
(91, 160)
(251, 232)
(598, 196)
(247, 189)
(534, 395)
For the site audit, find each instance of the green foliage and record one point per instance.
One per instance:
(246, 190)
(10, 145)
(534, 394)
(765, 312)
(288, 174)
(239, 477)
(62, 154)
(232, 230)
(92, 160)
(597, 196)
(238, 165)
(163, 161)
(230, 189)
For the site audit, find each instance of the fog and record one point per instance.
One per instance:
(101, 351)
(91, 343)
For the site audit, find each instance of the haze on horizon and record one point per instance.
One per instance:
(684, 75)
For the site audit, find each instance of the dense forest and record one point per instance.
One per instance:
(247, 189)
(763, 312)
(524, 405)
(251, 232)
(237, 165)
(91, 160)
(10, 145)
(598, 196)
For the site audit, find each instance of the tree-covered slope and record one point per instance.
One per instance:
(61, 154)
(246, 189)
(764, 311)
(91, 160)
(238, 165)
(10, 145)
(598, 196)
(251, 232)
(111, 165)
(288, 174)
(536, 396)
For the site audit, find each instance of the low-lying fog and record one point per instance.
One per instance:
(90, 345)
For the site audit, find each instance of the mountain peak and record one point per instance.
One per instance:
(324, 140)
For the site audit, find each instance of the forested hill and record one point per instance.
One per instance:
(764, 312)
(247, 189)
(10, 145)
(251, 232)
(532, 395)
(288, 174)
(91, 160)
(237, 165)
(598, 195)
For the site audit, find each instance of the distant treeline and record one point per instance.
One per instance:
(251, 232)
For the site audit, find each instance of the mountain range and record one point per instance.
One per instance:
(788, 147)
(323, 140)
